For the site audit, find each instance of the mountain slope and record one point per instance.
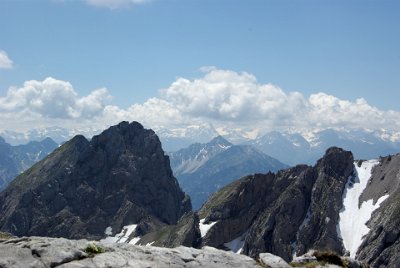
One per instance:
(188, 160)
(120, 177)
(15, 159)
(218, 163)
(339, 205)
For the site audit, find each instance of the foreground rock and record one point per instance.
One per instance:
(38, 252)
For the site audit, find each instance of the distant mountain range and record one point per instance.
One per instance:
(295, 149)
(15, 159)
(290, 148)
(119, 187)
(202, 169)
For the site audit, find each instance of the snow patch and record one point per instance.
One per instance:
(204, 228)
(108, 231)
(122, 237)
(236, 245)
(353, 218)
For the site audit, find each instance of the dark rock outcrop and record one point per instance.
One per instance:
(381, 246)
(185, 233)
(286, 213)
(120, 177)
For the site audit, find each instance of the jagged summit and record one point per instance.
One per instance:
(219, 140)
(120, 177)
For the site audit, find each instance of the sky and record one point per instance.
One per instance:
(168, 63)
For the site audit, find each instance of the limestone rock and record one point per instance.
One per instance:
(38, 252)
(273, 261)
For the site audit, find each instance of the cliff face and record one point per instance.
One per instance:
(286, 214)
(120, 177)
(381, 246)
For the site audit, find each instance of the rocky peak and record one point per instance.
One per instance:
(120, 177)
(219, 140)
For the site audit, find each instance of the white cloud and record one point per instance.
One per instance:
(114, 4)
(224, 98)
(229, 96)
(52, 98)
(5, 61)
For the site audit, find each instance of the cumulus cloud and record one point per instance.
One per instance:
(224, 98)
(114, 4)
(5, 61)
(52, 98)
(230, 96)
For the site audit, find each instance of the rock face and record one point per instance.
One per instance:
(381, 246)
(38, 252)
(120, 177)
(202, 169)
(286, 213)
(15, 159)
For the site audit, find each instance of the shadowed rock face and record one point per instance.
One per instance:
(381, 246)
(286, 213)
(290, 212)
(120, 177)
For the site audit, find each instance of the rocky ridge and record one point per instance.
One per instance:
(120, 177)
(298, 209)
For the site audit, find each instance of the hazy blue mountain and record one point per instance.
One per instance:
(202, 169)
(188, 160)
(15, 159)
(295, 149)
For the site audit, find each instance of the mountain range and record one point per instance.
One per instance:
(16, 159)
(119, 188)
(291, 148)
(203, 168)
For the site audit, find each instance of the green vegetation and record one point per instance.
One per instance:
(5, 236)
(323, 258)
(92, 248)
(329, 257)
(307, 265)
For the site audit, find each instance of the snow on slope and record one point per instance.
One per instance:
(237, 244)
(204, 228)
(353, 218)
(122, 237)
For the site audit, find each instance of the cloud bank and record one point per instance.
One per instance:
(51, 98)
(220, 97)
(5, 61)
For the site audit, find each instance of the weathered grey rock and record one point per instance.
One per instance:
(44, 252)
(120, 177)
(273, 261)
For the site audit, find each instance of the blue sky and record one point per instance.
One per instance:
(346, 49)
